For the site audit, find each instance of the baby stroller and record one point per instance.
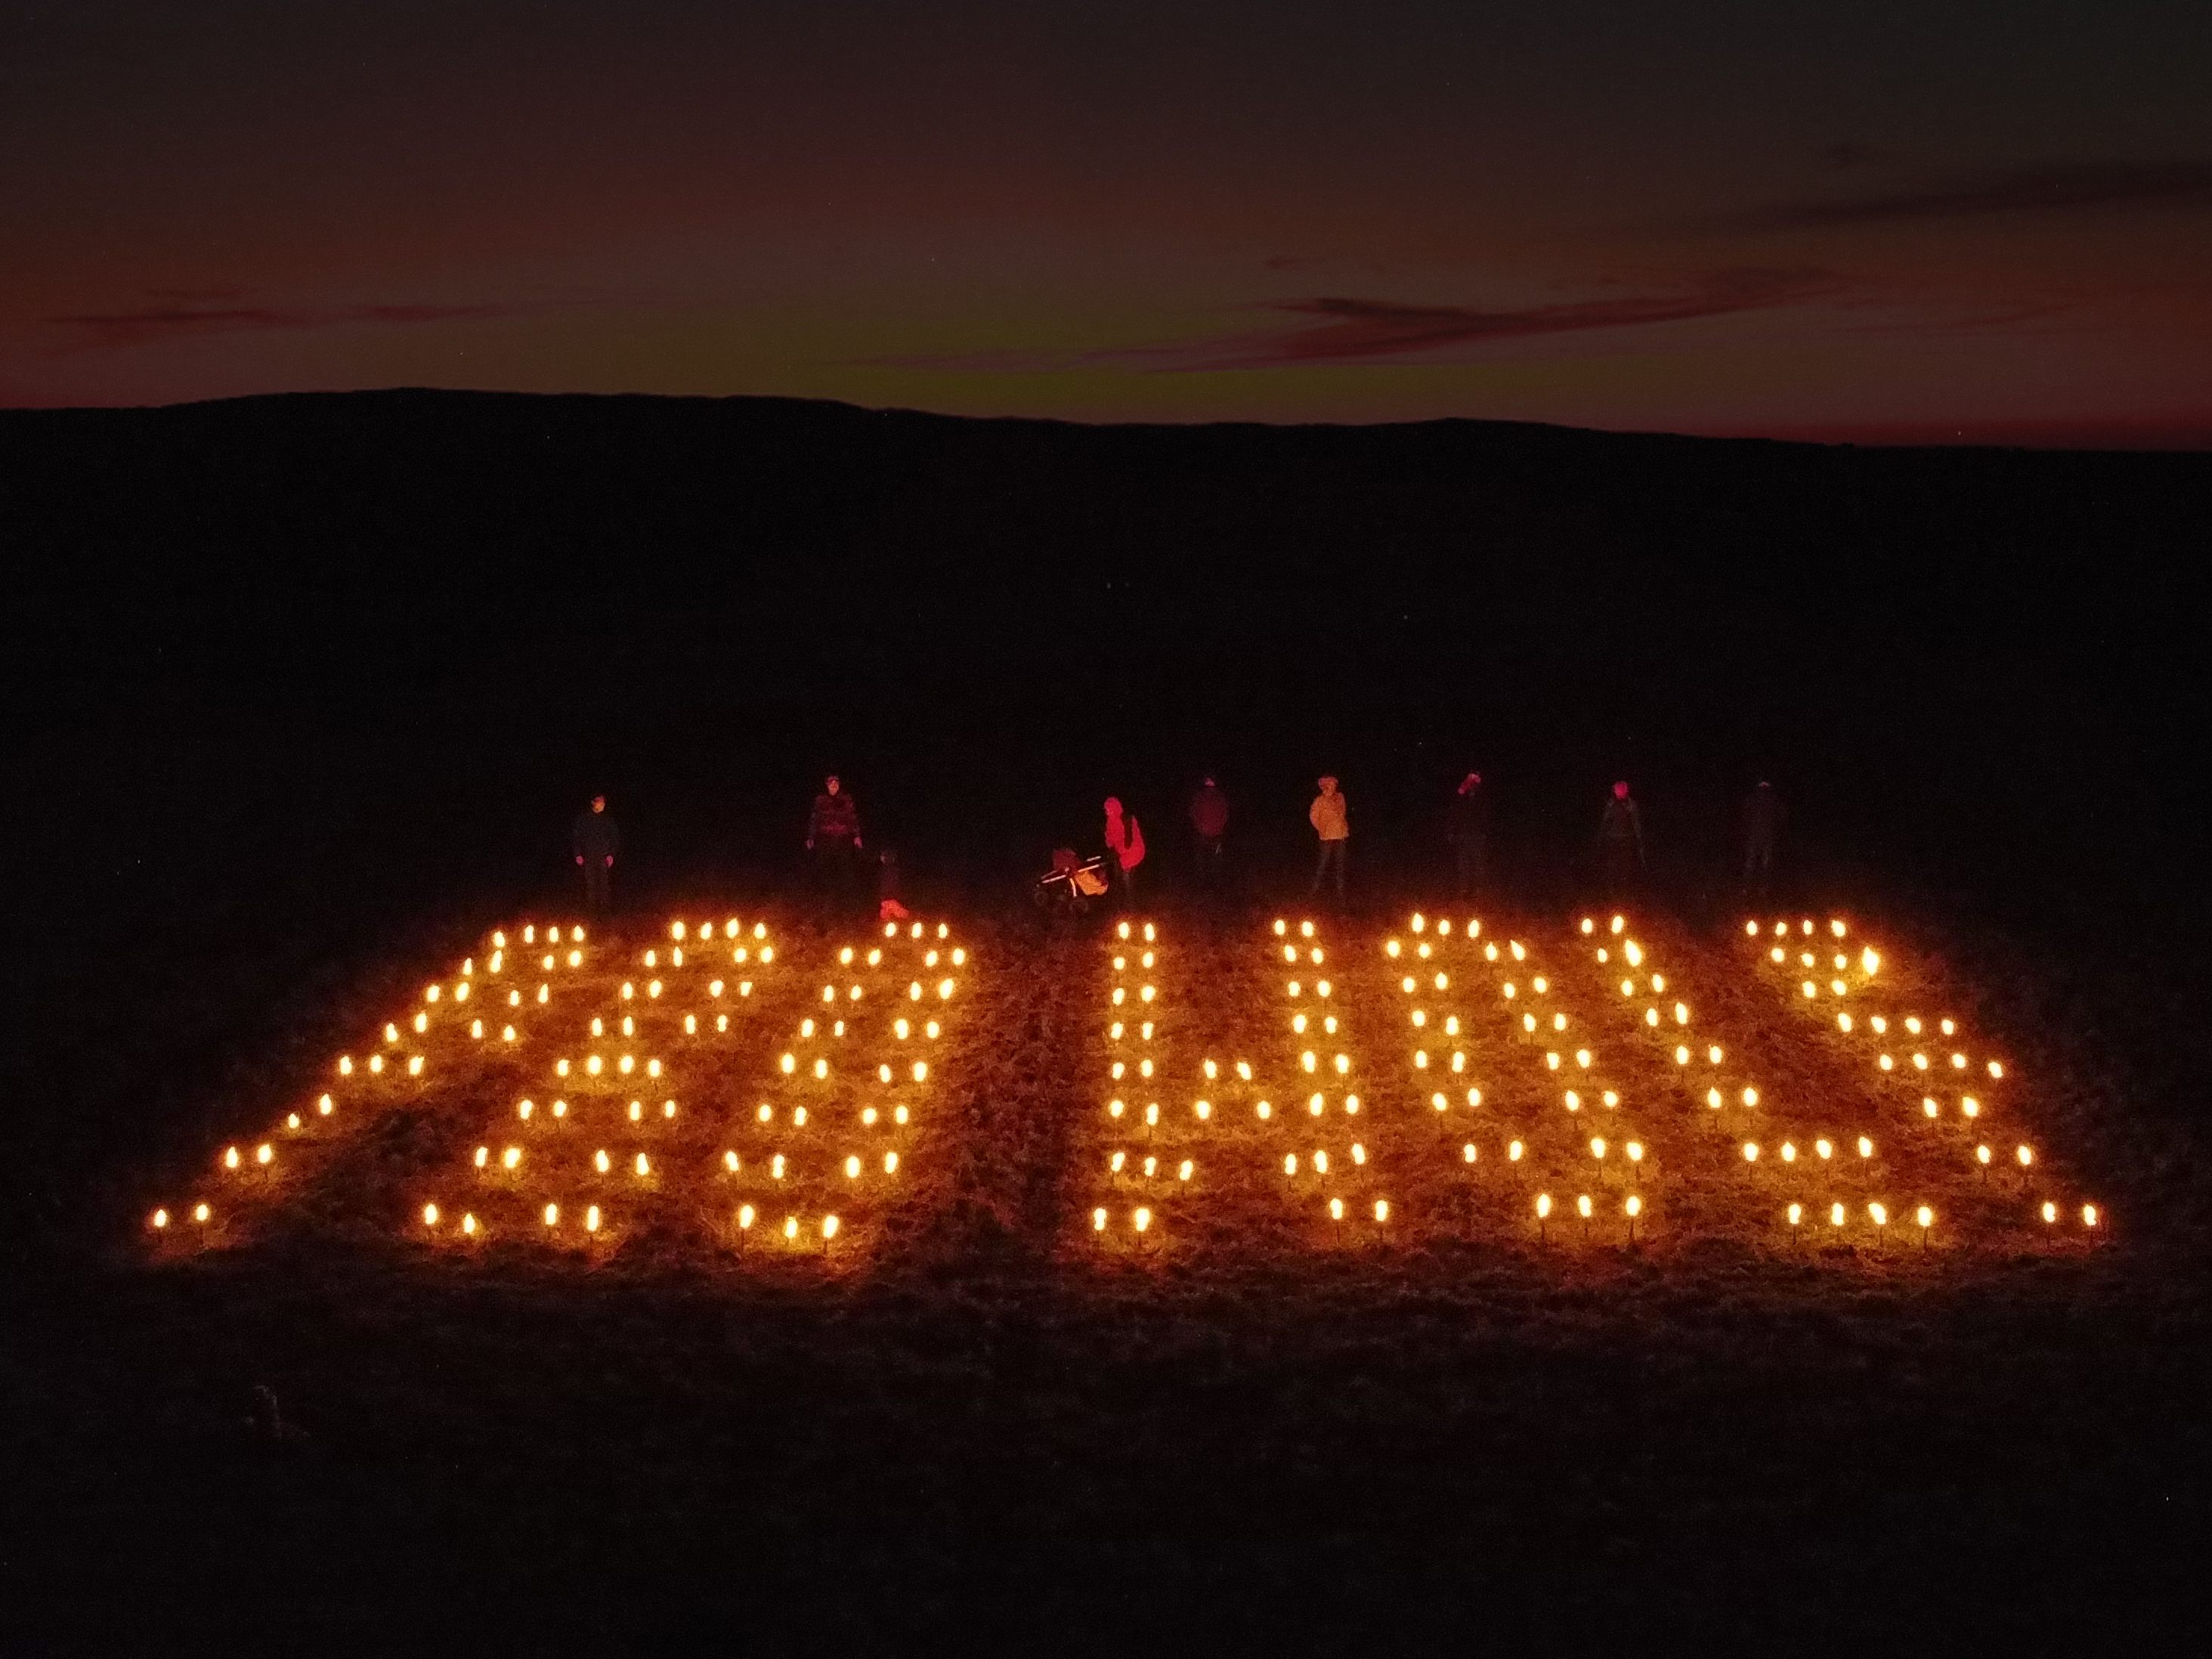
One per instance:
(1075, 885)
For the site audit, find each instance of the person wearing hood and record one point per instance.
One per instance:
(595, 840)
(1469, 831)
(1209, 823)
(1124, 849)
(1330, 817)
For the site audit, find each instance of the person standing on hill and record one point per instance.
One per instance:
(1621, 842)
(595, 839)
(833, 839)
(1764, 814)
(1328, 815)
(1125, 849)
(1209, 823)
(1469, 830)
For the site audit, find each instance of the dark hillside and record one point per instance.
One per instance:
(303, 690)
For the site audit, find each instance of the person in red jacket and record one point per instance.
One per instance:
(1209, 823)
(1125, 849)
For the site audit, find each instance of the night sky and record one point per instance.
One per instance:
(1895, 219)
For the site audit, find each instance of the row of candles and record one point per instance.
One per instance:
(566, 949)
(1826, 970)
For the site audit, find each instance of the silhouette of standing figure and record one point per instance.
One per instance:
(595, 839)
(833, 838)
(1764, 815)
(1209, 823)
(1470, 835)
(1621, 842)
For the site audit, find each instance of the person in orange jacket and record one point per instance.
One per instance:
(1328, 815)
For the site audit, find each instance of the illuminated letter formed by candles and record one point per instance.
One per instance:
(852, 1077)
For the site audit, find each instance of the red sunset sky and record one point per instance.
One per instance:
(1937, 220)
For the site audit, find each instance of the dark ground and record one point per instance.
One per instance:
(303, 692)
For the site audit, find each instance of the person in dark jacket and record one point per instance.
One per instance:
(1209, 823)
(833, 840)
(1469, 830)
(595, 839)
(1621, 842)
(1764, 814)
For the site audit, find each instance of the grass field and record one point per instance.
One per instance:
(976, 1412)
(729, 1092)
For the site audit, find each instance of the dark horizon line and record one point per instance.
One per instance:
(2186, 435)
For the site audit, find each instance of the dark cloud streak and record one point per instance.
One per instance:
(1342, 330)
(96, 331)
(2072, 188)
(1337, 329)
